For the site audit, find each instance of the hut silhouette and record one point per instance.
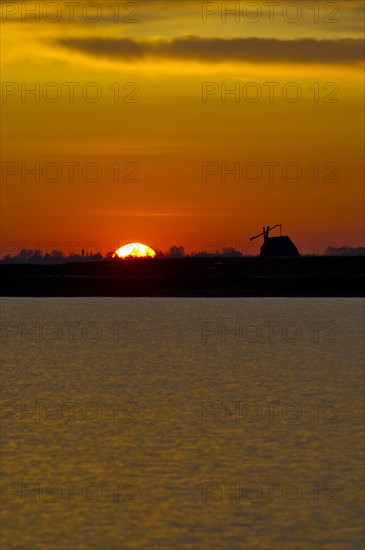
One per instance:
(276, 246)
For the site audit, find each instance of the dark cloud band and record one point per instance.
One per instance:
(306, 50)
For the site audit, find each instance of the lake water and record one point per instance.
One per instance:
(223, 424)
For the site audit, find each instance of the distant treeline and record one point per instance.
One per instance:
(345, 251)
(56, 256)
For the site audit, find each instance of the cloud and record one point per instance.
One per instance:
(308, 50)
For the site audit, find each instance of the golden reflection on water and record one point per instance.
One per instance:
(178, 435)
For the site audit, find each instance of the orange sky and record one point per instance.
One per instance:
(111, 170)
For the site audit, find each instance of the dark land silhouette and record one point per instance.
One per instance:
(190, 276)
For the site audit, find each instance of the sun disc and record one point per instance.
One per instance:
(134, 250)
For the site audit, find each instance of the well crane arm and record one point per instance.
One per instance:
(266, 231)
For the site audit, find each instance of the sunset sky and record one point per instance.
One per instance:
(162, 132)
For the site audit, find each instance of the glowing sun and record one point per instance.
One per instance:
(134, 250)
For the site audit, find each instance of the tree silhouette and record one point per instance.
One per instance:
(176, 252)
